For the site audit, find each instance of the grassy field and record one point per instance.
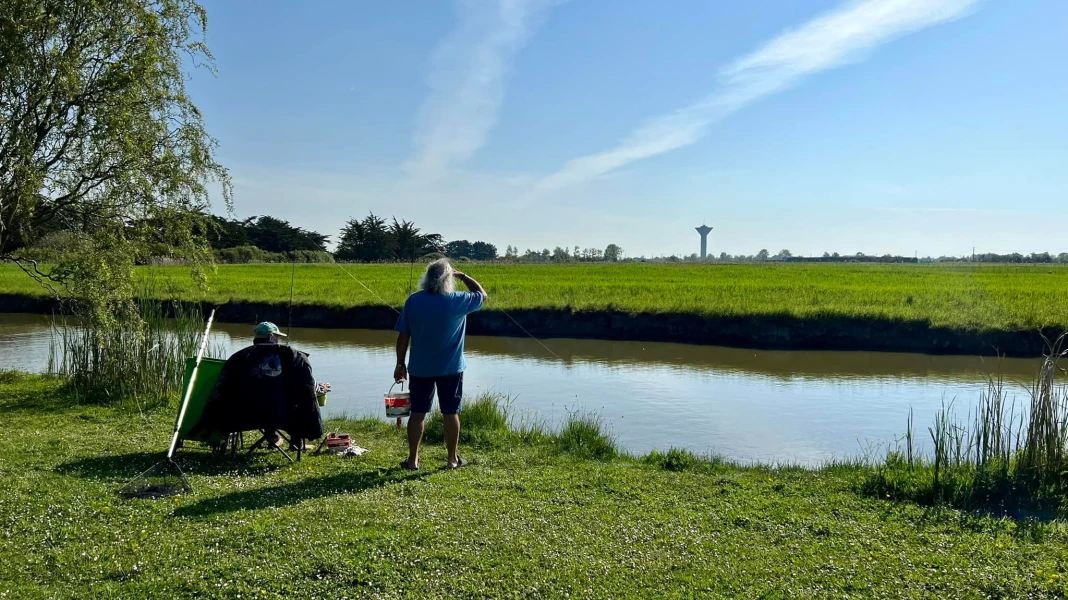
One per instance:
(527, 520)
(980, 298)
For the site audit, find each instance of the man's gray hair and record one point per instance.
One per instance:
(438, 279)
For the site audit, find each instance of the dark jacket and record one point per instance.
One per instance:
(264, 386)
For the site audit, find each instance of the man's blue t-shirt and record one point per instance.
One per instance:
(437, 324)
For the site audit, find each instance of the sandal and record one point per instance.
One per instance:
(407, 467)
(460, 462)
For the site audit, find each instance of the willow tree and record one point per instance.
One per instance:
(100, 145)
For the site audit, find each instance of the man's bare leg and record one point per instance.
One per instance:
(415, 437)
(452, 437)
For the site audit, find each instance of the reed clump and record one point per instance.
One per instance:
(484, 423)
(140, 360)
(675, 459)
(1007, 458)
(584, 435)
(488, 421)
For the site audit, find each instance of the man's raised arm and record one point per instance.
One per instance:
(471, 284)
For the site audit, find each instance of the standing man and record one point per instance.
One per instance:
(434, 320)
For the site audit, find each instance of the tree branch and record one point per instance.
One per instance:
(31, 268)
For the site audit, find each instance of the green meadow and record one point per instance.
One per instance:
(962, 297)
(537, 515)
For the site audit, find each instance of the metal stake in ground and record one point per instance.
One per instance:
(165, 478)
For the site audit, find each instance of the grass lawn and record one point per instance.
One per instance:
(525, 521)
(968, 297)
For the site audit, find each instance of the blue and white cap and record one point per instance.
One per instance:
(267, 328)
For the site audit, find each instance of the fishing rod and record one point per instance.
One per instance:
(369, 290)
(411, 273)
(292, 280)
(506, 313)
(524, 330)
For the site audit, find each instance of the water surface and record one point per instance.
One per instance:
(750, 405)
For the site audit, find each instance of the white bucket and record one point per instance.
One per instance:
(398, 404)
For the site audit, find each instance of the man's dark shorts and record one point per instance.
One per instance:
(450, 390)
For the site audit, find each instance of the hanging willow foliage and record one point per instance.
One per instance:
(101, 148)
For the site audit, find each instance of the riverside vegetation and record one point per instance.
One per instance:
(1004, 457)
(140, 361)
(542, 512)
(539, 514)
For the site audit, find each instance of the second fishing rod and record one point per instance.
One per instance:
(412, 289)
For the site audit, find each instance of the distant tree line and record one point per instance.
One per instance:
(857, 257)
(461, 249)
(376, 239)
(833, 257)
(1015, 257)
(559, 254)
(264, 239)
(266, 233)
(373, 239)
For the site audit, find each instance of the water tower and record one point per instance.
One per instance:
(704, 230)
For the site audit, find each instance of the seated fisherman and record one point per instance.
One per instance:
(267, 386)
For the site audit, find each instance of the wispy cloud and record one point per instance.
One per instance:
(947, 209)
(467, 82)
(834, 38)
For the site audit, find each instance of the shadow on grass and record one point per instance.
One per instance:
(1028, 526)
(298, 491)
(129, 465)
(1021, 522)
(34, 393)
(1015, 498)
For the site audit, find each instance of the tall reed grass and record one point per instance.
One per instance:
(484, 423)
(487, 421)
(141, 361)
(1007, 457)
(584, 435)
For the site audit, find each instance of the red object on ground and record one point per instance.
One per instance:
(338, 440)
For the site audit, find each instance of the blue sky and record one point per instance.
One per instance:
(897, 126)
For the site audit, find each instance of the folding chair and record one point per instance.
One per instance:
(263, 441)
(230, 443)
(207, 375)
